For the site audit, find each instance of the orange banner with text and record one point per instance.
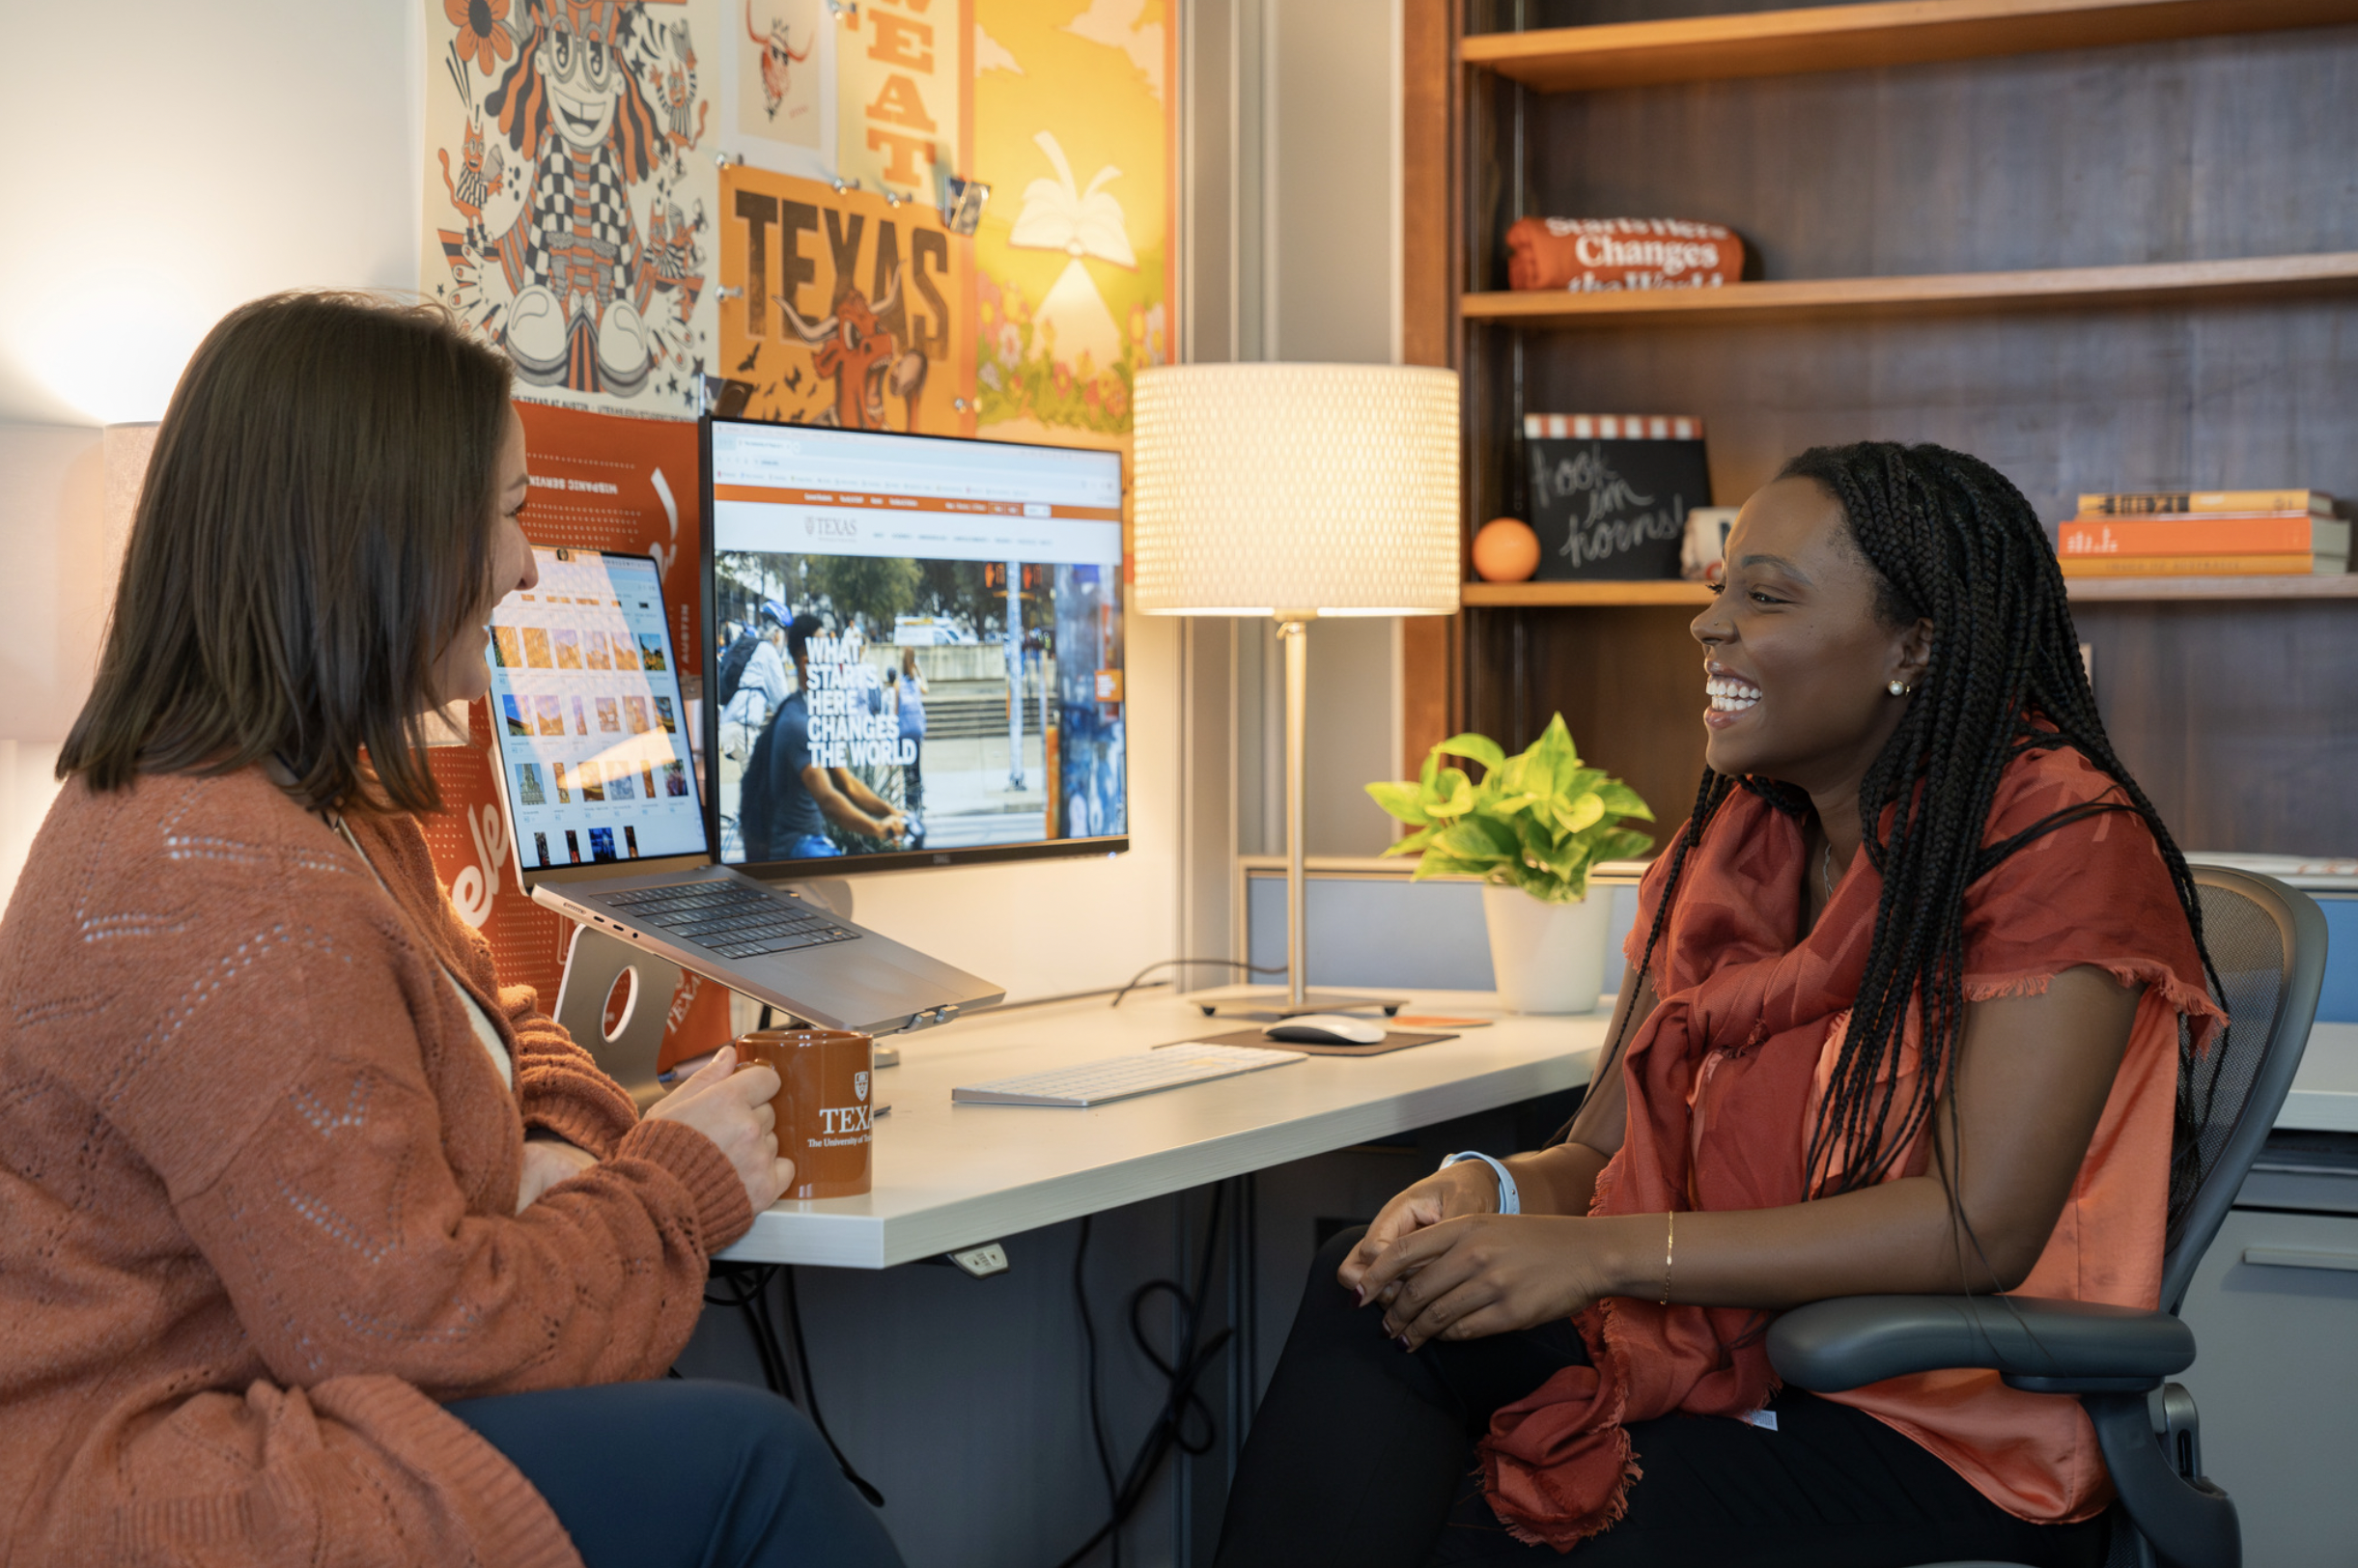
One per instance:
(599, 482)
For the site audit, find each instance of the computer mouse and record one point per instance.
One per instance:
(1326, 1029)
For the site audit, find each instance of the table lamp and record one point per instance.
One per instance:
(1295, 491)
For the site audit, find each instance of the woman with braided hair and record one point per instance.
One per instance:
(1904, 1014)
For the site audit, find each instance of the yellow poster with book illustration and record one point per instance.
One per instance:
(1073, 133)
(841, 308)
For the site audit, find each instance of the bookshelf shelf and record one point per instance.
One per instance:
(2133, 590)
(1511, 595)
(2249, 277)
(2091, 589)
(1860, 36)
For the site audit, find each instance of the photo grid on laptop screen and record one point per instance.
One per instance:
(585, 699)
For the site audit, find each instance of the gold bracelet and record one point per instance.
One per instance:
(1670, 1245)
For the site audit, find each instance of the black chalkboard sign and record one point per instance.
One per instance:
(1610, 493)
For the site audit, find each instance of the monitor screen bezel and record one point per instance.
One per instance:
(1055, 848)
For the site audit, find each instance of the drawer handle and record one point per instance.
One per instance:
(2300, 1258)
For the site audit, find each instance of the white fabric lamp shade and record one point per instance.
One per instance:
(1296, 489)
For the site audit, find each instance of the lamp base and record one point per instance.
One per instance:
(1275, 1001)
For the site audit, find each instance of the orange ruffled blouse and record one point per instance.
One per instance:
(1724, 1078)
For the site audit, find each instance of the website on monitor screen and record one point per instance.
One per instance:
(918, 643)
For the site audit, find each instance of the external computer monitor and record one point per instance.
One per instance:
(912, 631)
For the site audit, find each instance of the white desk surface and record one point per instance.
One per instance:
(2324, 1097)
(951, 1176)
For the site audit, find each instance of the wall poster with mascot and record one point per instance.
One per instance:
(569, 192)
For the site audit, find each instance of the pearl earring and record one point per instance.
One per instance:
(1898, 689)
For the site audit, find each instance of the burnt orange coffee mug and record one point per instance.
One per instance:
(824, 1105)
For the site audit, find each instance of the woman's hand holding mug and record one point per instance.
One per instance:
(733, 1110)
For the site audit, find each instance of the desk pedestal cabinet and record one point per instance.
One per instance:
(2274, 1310)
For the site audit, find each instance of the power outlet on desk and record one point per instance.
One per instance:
(982, 1262)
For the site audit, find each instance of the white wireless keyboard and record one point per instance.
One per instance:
(1118, 1078)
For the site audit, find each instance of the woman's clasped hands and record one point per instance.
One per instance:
(1443, 1263)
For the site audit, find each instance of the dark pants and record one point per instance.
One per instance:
(680, 1473)
(1364, 1455)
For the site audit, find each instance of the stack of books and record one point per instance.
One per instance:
(2204, 533)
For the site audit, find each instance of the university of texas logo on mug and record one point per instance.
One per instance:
(828, 1142)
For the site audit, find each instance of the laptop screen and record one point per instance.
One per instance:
(585, 699)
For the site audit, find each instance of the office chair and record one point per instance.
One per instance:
(2268, 942)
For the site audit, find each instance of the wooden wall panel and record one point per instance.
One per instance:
(2168, 151)
(1428, 324)
(1629, 682)
(2060, 401)
(2233, 717)
(2236, 719)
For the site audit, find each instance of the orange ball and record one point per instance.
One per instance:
(1505, 551)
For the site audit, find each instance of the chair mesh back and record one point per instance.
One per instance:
(2247, 948)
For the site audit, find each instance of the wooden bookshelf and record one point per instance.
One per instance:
(2150, 283)
(1546, 595)
(1861, 37)
(2126, 266)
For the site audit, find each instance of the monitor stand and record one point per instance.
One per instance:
(1276, 1001)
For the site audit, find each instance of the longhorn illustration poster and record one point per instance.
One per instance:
(570, 192)
(837, 310)
(599, 482)
(783, 84)
(875, 94)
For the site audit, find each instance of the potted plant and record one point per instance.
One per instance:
(1531, 830)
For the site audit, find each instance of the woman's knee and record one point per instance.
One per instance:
(769, 1435)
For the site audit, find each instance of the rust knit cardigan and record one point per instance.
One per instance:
(257, 1184)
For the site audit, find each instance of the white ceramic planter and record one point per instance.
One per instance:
(1547, 958)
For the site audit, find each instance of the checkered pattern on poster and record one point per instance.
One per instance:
(571, 195)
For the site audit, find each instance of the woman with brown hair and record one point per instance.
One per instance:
(319, 1246)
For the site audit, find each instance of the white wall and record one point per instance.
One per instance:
(1330, 292)
(168, 162)
(170, 165)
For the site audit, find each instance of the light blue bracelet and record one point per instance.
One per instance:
(1510, 1201)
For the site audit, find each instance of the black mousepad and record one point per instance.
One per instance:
(1397, 1040)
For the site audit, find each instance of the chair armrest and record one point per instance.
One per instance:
(2043, 1345)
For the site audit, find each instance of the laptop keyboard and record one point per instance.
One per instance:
(730, 918)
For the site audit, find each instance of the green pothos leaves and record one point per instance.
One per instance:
(1538, 820)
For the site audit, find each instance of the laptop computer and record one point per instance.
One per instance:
(603, 808)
